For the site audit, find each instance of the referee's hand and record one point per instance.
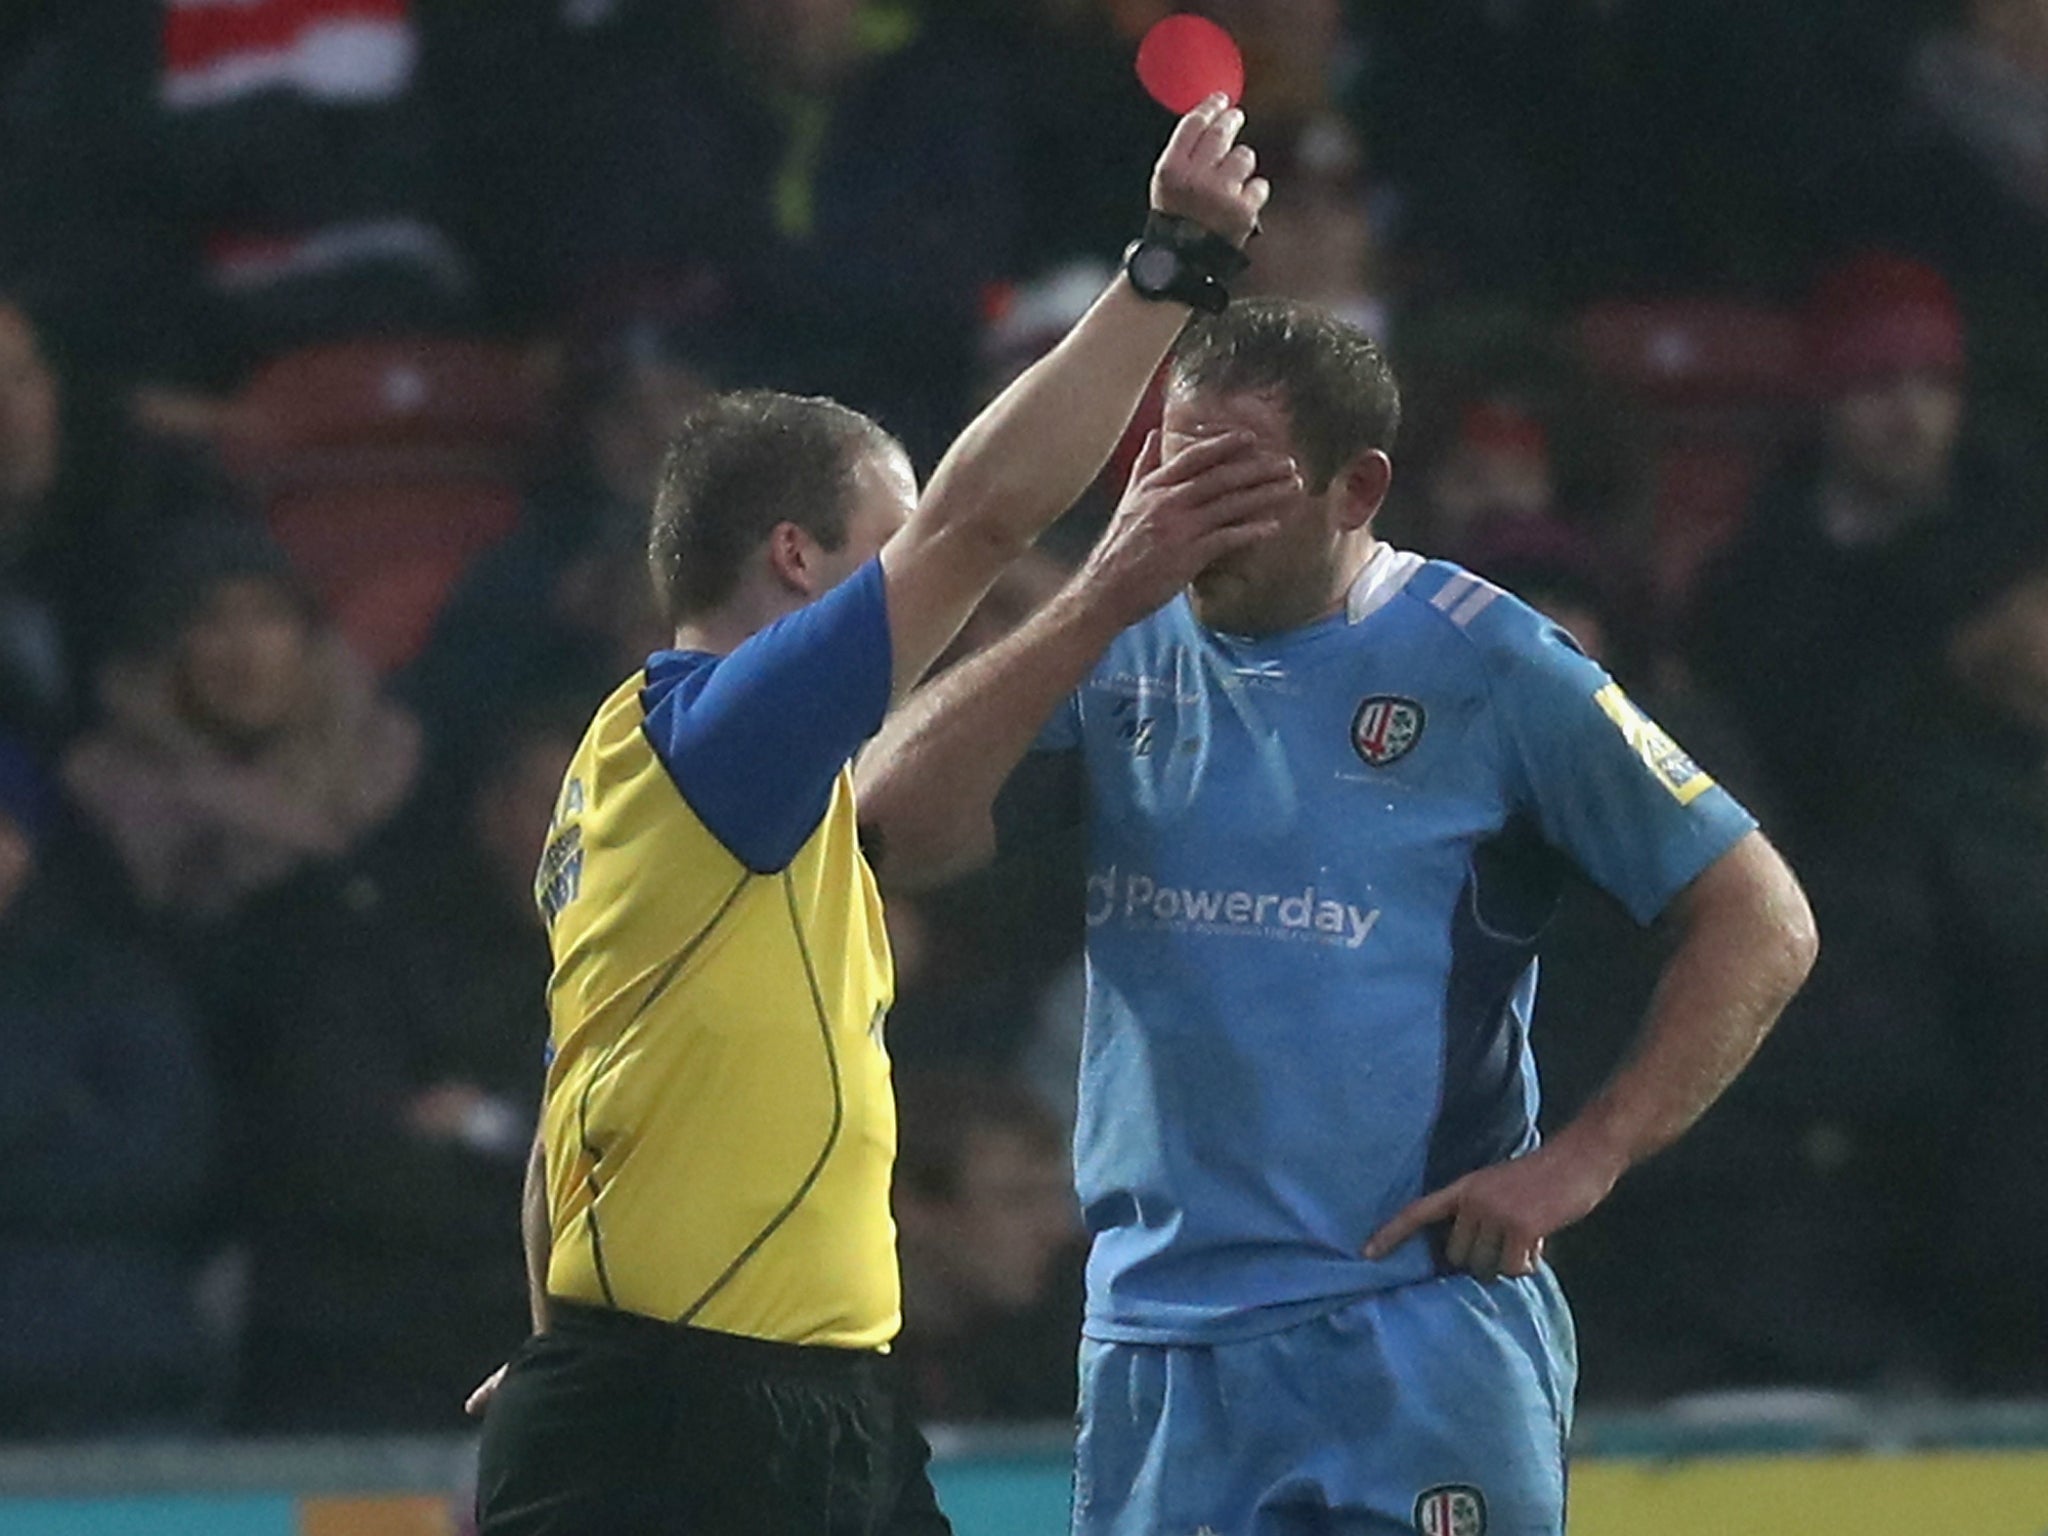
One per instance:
(480, 1399)
(1205, 175)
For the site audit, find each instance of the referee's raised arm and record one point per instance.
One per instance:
(1033, 450)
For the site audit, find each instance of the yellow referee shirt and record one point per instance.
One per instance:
(719, 1122)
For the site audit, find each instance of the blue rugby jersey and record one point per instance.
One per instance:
(1318, 865)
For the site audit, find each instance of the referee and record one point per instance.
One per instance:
(707, 1215)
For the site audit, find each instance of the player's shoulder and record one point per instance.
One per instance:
(1499, 631)
(621, 716)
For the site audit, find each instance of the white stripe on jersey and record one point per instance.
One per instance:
(1475, 603)
(1453, 589)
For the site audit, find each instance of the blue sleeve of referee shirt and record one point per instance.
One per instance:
(755, 739)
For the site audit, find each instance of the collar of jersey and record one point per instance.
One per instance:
(670, 663)
(1376, 585)
(1385, 574)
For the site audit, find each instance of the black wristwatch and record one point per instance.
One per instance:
(1178, 261)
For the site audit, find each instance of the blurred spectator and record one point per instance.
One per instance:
(1450, 96)
(1986, 85)
(1316, 241)
(82, 494)
(1086, 129)
(564, 605)
(991, 1251)
(1299, 55)
(1964, 182)
(972, 954)
(1506, 420)
(242, 742)
(846, 168)
(396, 1107)
(35, 676)
(252, 175)
(106, 1125)
(1965, 806)
(1316, 237)
(1496, 471)
(1813, 616)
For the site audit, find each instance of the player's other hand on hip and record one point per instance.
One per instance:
(1180, 513)
(1500, 1216)
(1205, 175)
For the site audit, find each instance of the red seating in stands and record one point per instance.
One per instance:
(351, 408)
(383, 468)
(1723, 383)
(383, 556)
(1696, 351)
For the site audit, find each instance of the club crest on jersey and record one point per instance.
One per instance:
(1386, 729)
(1451, 1509)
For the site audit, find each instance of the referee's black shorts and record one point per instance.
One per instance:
(612, 1424)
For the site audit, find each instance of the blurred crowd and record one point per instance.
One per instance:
(339, 342)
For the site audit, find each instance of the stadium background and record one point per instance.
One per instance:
(337, 339)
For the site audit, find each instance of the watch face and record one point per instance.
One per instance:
(1153, 267)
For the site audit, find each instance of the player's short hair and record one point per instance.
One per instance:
(740, 463)
(1339, 392)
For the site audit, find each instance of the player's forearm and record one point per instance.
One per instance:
(1032, 451)
(533, 1233)
(928, 783)
(1747, 943)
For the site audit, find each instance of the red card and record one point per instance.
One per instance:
(1185, 58)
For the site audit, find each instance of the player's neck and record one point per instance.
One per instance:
(1351, 564)
(720, 631)
(1284, 608)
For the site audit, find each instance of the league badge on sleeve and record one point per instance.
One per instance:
(1451, 1509)
(1386, 728)
(1660, 754)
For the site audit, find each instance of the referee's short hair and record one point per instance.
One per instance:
(1340, 394)
(740, 463)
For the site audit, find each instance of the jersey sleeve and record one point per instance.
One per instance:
(755, 739)
(1602, 780)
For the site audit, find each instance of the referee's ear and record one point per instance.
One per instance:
(1361, 488)
(791, 554)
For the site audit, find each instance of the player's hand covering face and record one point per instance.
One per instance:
(1211, 497)
(1205, 175)
(1275, 583)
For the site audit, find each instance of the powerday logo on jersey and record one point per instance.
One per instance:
(1386, 728)
(1310, 913)
(1666, 758)
(1451, 1509)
